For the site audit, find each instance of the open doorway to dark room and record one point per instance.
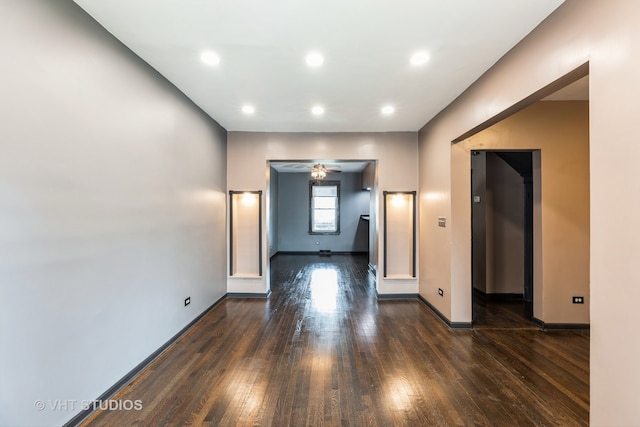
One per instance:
(530, 212)
(502, 238)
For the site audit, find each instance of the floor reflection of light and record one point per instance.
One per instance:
(368, 328)
(324, 290)
(253, 402)
(399, 394)
(247, 395)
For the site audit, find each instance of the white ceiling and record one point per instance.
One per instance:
(366, 45)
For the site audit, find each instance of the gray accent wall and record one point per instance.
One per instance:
(293, 215)
(112, 211)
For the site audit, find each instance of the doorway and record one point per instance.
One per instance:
(290, 204)
(502, 238)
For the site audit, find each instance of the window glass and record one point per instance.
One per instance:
(324, 207)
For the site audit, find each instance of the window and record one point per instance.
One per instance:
(324, 207)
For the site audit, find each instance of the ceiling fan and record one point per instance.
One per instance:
(328, 167)
(319, 171)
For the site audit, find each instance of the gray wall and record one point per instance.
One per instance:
(293, 215)
(479, 220)
(112, 210)
(273, 211)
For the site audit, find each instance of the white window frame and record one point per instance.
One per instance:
(313, 229)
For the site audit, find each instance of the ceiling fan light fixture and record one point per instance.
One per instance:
(318, 172)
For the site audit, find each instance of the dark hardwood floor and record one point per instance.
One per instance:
(490, 313)
(322, 351)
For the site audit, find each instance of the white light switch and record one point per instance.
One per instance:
(442, 221)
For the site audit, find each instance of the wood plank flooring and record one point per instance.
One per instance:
(494, 314)
(322, 351)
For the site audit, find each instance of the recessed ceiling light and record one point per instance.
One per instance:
(387, 110)
(210, 58)
(419, 58)
(248, 109)
(314, 59)
(317, 110)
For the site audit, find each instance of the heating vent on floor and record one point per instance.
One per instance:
(325, 252)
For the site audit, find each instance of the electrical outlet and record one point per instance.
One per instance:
(187, 301)
(578, 300)
(440, 292)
